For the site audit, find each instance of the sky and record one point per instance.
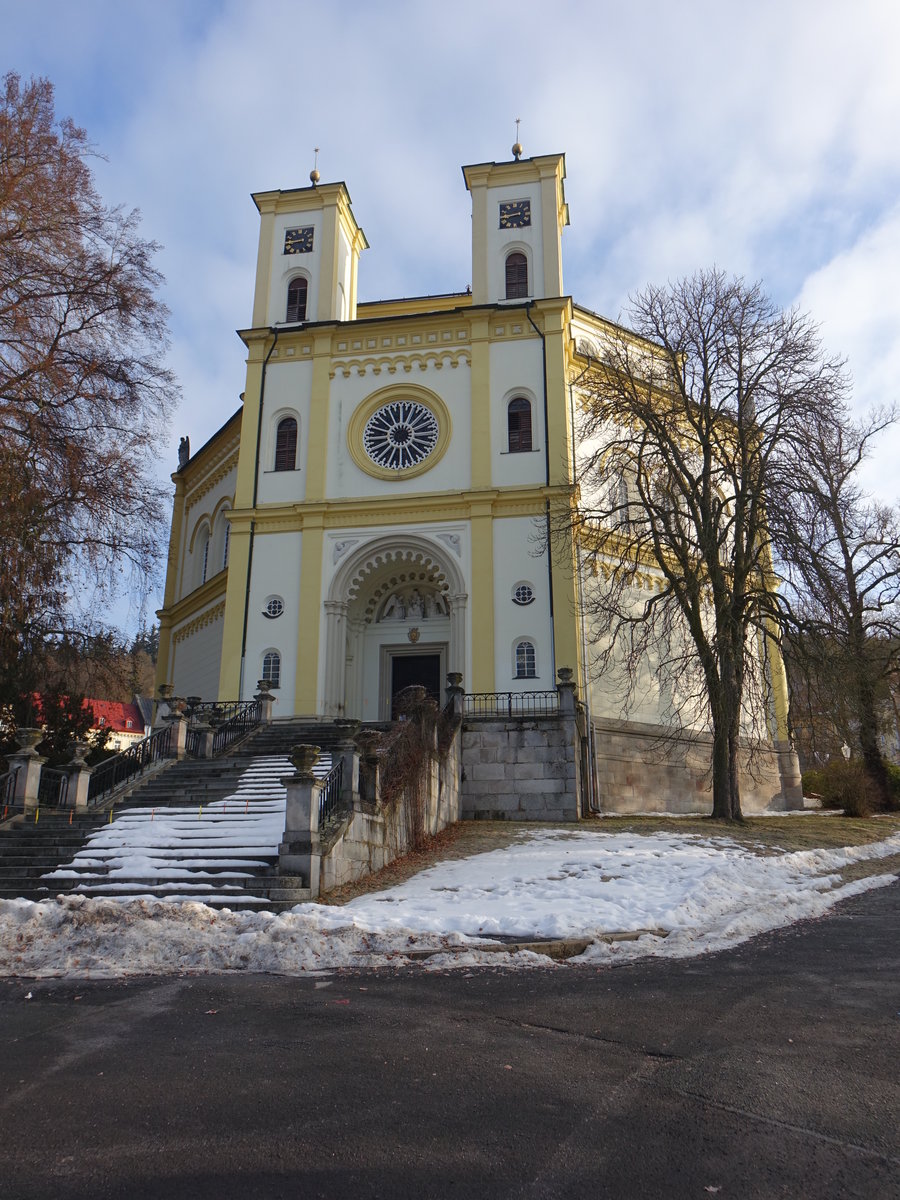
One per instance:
(758, 138)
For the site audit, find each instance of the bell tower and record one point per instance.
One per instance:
(309, 247)
(518, 213)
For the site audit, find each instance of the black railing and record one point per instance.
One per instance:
(245, 717)
(216, 711)
(489, 705)
(8, 791)
(53, 788)
(192, 742)
(330, 795)
(131, 762)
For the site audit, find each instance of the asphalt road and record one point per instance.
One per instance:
(767, 1071)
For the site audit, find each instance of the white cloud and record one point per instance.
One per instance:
(760, 138)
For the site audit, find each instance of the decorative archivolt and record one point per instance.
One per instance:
(206, 618)
(391, 565)
(207, 484)
(404, 363)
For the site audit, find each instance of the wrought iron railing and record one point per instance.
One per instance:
(216, 711)
(192, 741)
(131, 762)
(488, 705)
(53, 788)
(330, 795)
(8, 791)
(246, 716)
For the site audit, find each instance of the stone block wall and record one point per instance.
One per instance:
(376, 834)
(520, 769)
(640, 771)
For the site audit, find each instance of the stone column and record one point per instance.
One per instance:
(164, 694)
(455, 694)
(335, 655)
(299, 852)
(28, 763)
(79, 777)
(566, 691)
(178, 743)
(457, 656)
(266, 701)
(348, 753)
(791, 779)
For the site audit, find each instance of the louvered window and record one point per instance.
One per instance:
(296, 299)
(286, 445)
(518, 420)
(516, 276)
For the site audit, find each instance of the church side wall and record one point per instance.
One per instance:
(648, 769)
(197, 645)
(275, 577)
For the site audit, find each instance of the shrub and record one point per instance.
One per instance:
(845, 786)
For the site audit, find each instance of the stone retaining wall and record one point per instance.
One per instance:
(640, 771)
(523, 769)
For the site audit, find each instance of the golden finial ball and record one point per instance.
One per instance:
(517, 150)
(314, 176)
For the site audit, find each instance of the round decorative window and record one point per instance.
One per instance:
(523, 594)
(274, 607)
(400, 434)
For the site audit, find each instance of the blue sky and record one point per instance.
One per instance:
(760, 138)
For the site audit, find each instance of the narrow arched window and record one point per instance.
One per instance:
(516, 276)
(204, 560)
(225, 547)
(271, 671)
(296, 299)
(286, 445)
(526, 661)
(518, 423)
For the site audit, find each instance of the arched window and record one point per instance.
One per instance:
(526, 661)
(271, 671)
(518, 424)
(296, 299)
(203, 555)
(516, 276)
(286, 445)
(225, 547)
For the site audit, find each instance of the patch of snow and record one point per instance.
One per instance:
(702, 893)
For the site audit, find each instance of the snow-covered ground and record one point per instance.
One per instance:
(695, 894)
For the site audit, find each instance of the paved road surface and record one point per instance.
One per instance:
(768, 1071)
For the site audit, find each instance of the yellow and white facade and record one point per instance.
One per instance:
(365, 556)
(374, 514)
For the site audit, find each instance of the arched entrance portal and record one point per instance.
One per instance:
(395, 615)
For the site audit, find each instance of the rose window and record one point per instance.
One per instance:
(400, 434)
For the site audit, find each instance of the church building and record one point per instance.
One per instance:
(374, 515)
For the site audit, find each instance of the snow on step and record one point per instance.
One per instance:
(233, 838)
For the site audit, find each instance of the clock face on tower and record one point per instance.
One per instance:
(515, 214)
(299, 241)
(400, 434)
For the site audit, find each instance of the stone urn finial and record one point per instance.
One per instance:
(565, 674)
(28, 739)
(304, 757)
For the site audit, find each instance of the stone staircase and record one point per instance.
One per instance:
(203, 831)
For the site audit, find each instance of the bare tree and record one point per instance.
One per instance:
(689, 424)
(84, 394)
(840, 555)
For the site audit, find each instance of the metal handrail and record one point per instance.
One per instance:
(131, 762)
(192, 741)
(53, 788)
(330, 795)
(246, 717)
(219, 710)
(511, 704)
(8, 789)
